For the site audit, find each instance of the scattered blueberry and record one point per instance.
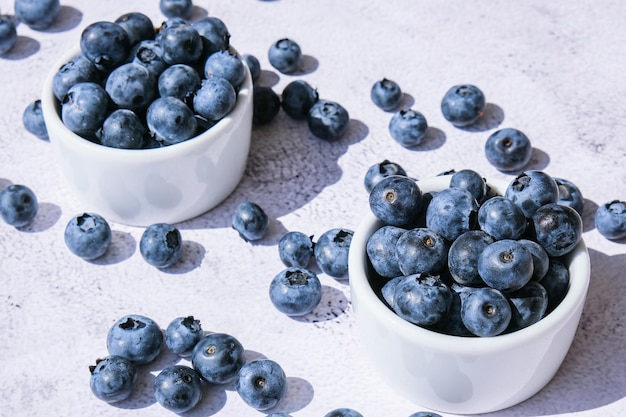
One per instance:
(380, 170)
(170, 121)
(331, 252)
(250, 221)
(343, 412)
(33, 120)
(88, 235)
(297, 99)
(135, 337)
(295, 249)
(285, 55)
(266, 105)
(408, 128)
(462, 105)
(386, 94)
(113, 378)
(610, 219)
(122, 129)
(176, 8)
(37, 14)
(161, 245)
(8, 34)
(506, 265)
(295, 291)
(261, 383)
(422, 299)
(508, 149)
(178, 388)
(485, 312)
(328, 120)
(218, 358)
(396, 200)
(18, 205)
(182, 334)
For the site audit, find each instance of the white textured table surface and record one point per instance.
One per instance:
(554, 71)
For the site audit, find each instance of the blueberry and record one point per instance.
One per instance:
(528, 305)
(570, 195)
(331, 252)
(295, 249)
(557, 228)
(381, 250)
(343, 412)
(541, 260)
(180, 81)
(88, 235)
(254, 66)
(452, 322)
(266, 105)
(380, 170)
(285, 55)
(297, 99)
(396, 200)
(131, 86)
(502, 218)
(78, 69)
(37, 14)
(505, 265)
(328, 120)
(463, 257)
(214, 31)
(531, 190)
(215, 98)
(181, 44)
(555, 282)
(295, 291)
(422, 299)
(470, 180)
(161, 245)
(106, 44)
(261, 383)
(408, 127)
(182, 334)
(137, 338)
(8, 34)
(227, 65)
(462, 105)
(388, 290)
(452, 212)
(137, 25)
(218, 358)
(176, 8)
(113, 378)
(84, 108)
(279, 415)
(170, 121)
(421, 250)
(508, 150)
(149, 54)
(122, 129)
(18, 205)
(610, 219)
(485, 312)
(178, 388)
(250, 221)
(386, 94)
(425, 414)
(33, 120)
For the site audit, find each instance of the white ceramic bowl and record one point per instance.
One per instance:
(455, 374)
(145, 186)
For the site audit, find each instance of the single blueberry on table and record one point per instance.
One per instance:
(485, 312)
(261, 384)
(421, 250)
(8, 34)
(531, 190)
(131, 86)
(295, 291)
(528, 305)
(610, 219)
(328, 120)
(84, 108)
(250, 221)
(182, 44)
(78, 69)
(343, 412)
(295, 249)
(463, 257)
(297, 99)
(541, 260)
(408, 128)
(182, 334)
(285, 55)
(88, 235)
(381, 250)
(227, 65)
(380, 170)
(463, 104)
(138, 26)
(570, 195)
(161, 245)
(502, 218)
(396, 200)
(113, 378)
(422, 299)
(506, 265)
(149, 54)
(508, 150)
(331, 252)
(170, 121)
(33, 120)
(470, 180)
(18, 205)
(176, 8)
(215, 98)
(386, 94)
(555, 282)
(218, 358)
(266, 105)
(253, 65)
(557, 228)
(178, 388)
(37, 14)
(452, 212)
(106, 44)
(180, 81)
(122, 129)
(214, 31)
(137, 338)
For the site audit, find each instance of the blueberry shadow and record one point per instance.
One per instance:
(406, 102)
(589, 214)
(253, 355)
(592, 374)
(142, 395)
(190, 259)
(123, 246)
(299, 394)
(308, 65)
(5, 183)
(267, 78)
(274, 232)
(213, 400)
(539, 160)
(492, 117)
(332, 305)
(165, 359)
(198, 13)
(47, 216)
(24, 47)
(67, 19)
(435, 138)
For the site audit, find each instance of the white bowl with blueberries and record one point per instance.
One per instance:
(142, 132)
(438, 332)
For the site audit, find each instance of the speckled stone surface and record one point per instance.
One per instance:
(554, 70)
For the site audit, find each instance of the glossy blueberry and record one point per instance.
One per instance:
(180, 81)
(137, 25)
(295, 291)
(422, 299)
(570, 195)
(396, 200)
(254, 66)
(131, 86)
(386, 94)
(508, 150)
(266, 105)
(261, 384)
(557, 228)
(531, 190)
(421, 250)
(506, 265)
(610, 219)
(181, 44)
(343, 412)
(285, 55)
(149, 54)
(37, 14)
(137, 338)
(176, 8)
(452, 212)
(425, 414)
(541, 260)
(170, 120)
(463, 257)
(84, 108)
(470, 180)
(170, 23)
(106, 44)
(33, 120)
(528, 305)
(297, 99)
(113, 378)
(78, 69)
(218, 358)
(227, 65)
(462, 105)
(161, 245)
(88, 235)
(122, 129)
(502, 218)
(555, 282)
(331, 252)
(8, 34)
(18, 205)
(380, 170)
(408, 128)
(215, 98)
(328, 120)
(485, 312)
(381, 250)
(178, 388)
(182, 334)
(214, 31)
(295, 249)
(250, 221)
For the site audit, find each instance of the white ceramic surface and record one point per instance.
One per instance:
(455, 374)
(168, 184)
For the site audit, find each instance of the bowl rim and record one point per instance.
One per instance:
(578, 260)
(50, 109)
